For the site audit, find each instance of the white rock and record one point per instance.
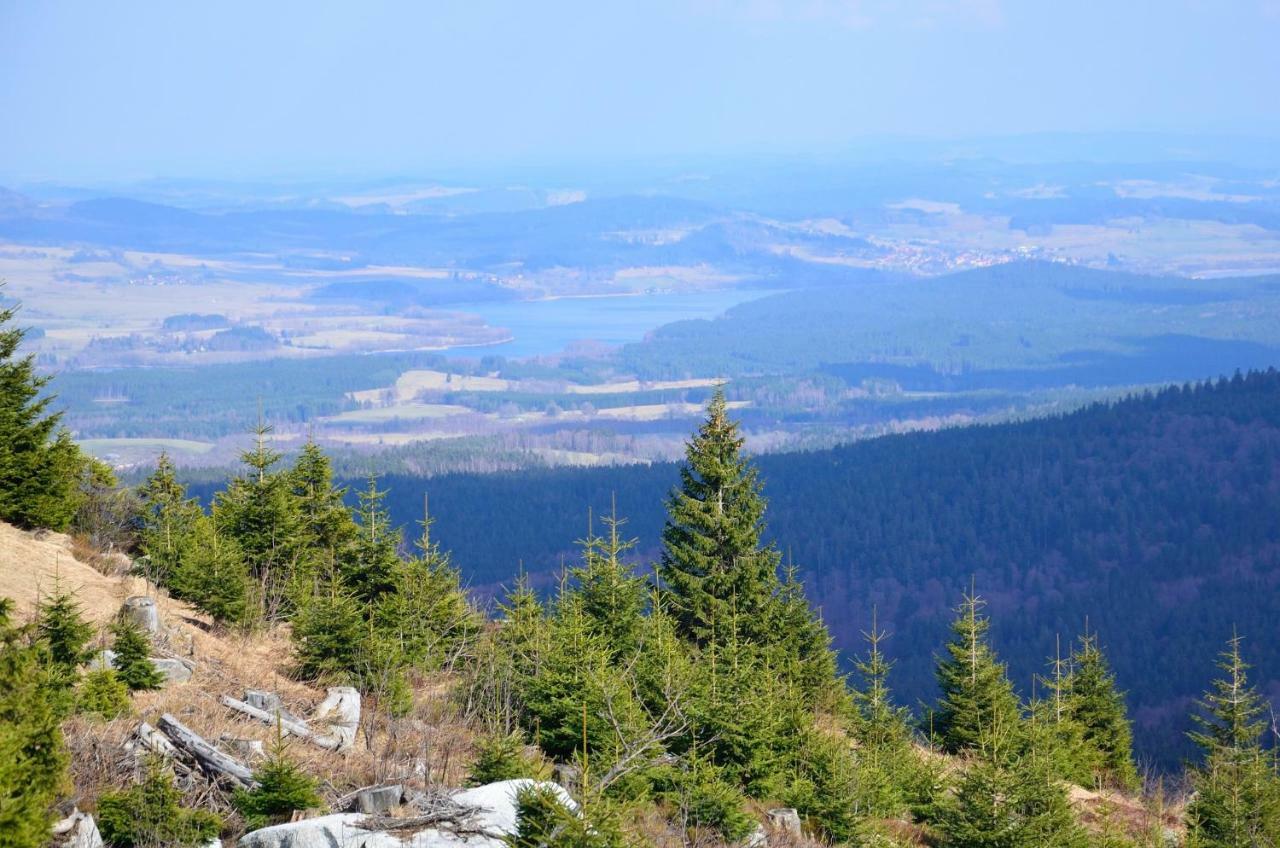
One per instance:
(174, 670)
(495, 805)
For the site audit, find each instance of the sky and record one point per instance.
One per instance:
(103, 91)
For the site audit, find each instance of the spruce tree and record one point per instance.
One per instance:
(427, 614)
(801, 648)
(211, 574)
(103, 694)
(33, 757)
(282, 789)
(369, 565)
(713, 563)
(886, 760)
(329, 633)
(150, 813)
(613, 598)
(325, 517)
(1013, 805)
(1237, 789)
(978, 708)
(60, 625)
(40, 466)
(258, 511)
(504, 756)
(1096, 704)
(133, 663)
(168, 517)
(1053, 731)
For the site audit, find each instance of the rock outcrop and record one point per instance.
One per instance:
(492, 818)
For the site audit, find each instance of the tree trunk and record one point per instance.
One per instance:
(212, 761)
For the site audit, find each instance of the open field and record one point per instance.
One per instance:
(621, 386)
(399, 412)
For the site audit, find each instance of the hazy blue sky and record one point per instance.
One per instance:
(124, 89)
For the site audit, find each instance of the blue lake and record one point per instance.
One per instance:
(544, 327)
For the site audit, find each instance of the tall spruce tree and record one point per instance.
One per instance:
(978, 708)
(886, 759)
(325, 517)
(40, 466)
(258, 511)
(1237, 789)
(168, 516)
(1098, 707)
(369, 565)
(801, 646)
(714, 566)
(427, 614)
(212, 575)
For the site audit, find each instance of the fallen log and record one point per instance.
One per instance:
(212, 762)
(154, 741)
(296, 728)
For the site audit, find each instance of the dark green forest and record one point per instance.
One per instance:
(1153, 519)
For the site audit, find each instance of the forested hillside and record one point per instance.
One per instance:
(677, 702)
(1154, 519)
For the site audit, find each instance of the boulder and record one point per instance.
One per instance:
(174, 670)
(757, 839)
(784, 820)
(494, 819)
(143, 612)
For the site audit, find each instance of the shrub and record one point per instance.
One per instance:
(709, 801)
(504, 757)
(102, 693)
(133, 663)
(542, 821)
(151, 814)
(282, 788)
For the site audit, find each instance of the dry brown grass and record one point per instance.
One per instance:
(430, 747)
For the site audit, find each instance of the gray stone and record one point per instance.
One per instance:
(174, 670)
(784, 819)
(757, 839)
(143, 612)
(379, 799)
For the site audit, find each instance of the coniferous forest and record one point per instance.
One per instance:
(700, 685)
(1146, 523)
